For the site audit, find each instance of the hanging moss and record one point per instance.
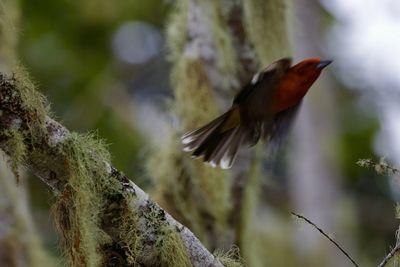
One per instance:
(194, 99)
(177, 31)
(19, 96)
(131, 239)
(267, 28)
(9, 17)
(194, 193)
(217, 44)
(17, 150)
(88, 190)
(226, 59)
(230, 258)
(80, 205)
(172, 251)
(31, 98)
(174, 184)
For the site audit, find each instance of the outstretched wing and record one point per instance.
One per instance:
(255, 99)
(261, 86)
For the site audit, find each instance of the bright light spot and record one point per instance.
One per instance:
(366, 42)
(136, 42)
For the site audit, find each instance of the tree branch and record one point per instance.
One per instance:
(390, 255)
(23, 114)
(324, 234)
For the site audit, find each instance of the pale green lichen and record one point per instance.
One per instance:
(17, 150)
(177, 31)
(214, 21)
(79, 207)
(384, 168)
(9, 17)
(175, 191)
(226, 60)
(132, 241)
(195, 193)
(381, 167)
(167, 247)
(230, 258)
(194, 98)
(172, 250)
(32, 100)
(21, 98)
(267, 28)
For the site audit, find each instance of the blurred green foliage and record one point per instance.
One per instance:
(66, 45)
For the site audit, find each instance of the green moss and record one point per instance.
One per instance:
(381, 167)
(17, 150)
(175, 186)
(226, 60)
(195, 111)
(172, 250)
(194, 99)
(32, 99)
(130, 236)
(79, 207)
(21, 99)
(215, 21)
(9, 17)
(230, 258)
(164, 241)
(267, 28)
(194, 193)
(177, 29)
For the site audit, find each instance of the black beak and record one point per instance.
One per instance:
(323, 63)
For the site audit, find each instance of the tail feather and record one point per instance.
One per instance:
(223, 147)
(229, 157)
(191, 140)
(214, 142)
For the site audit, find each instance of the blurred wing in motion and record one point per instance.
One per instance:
(218, 141)
(276, 131)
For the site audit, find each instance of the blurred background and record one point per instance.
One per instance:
(105, 67)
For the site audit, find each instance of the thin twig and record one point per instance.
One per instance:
(390, 255)
(323, 233)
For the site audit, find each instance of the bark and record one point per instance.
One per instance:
(45, 140)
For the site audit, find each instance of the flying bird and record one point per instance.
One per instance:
(264, 108)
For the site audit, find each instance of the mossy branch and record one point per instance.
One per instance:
(104, 219)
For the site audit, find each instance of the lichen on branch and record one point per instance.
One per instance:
(103, 218)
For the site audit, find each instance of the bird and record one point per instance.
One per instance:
(264, 108)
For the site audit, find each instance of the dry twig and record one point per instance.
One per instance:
(324, 234)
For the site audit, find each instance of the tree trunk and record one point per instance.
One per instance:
(215, 47)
